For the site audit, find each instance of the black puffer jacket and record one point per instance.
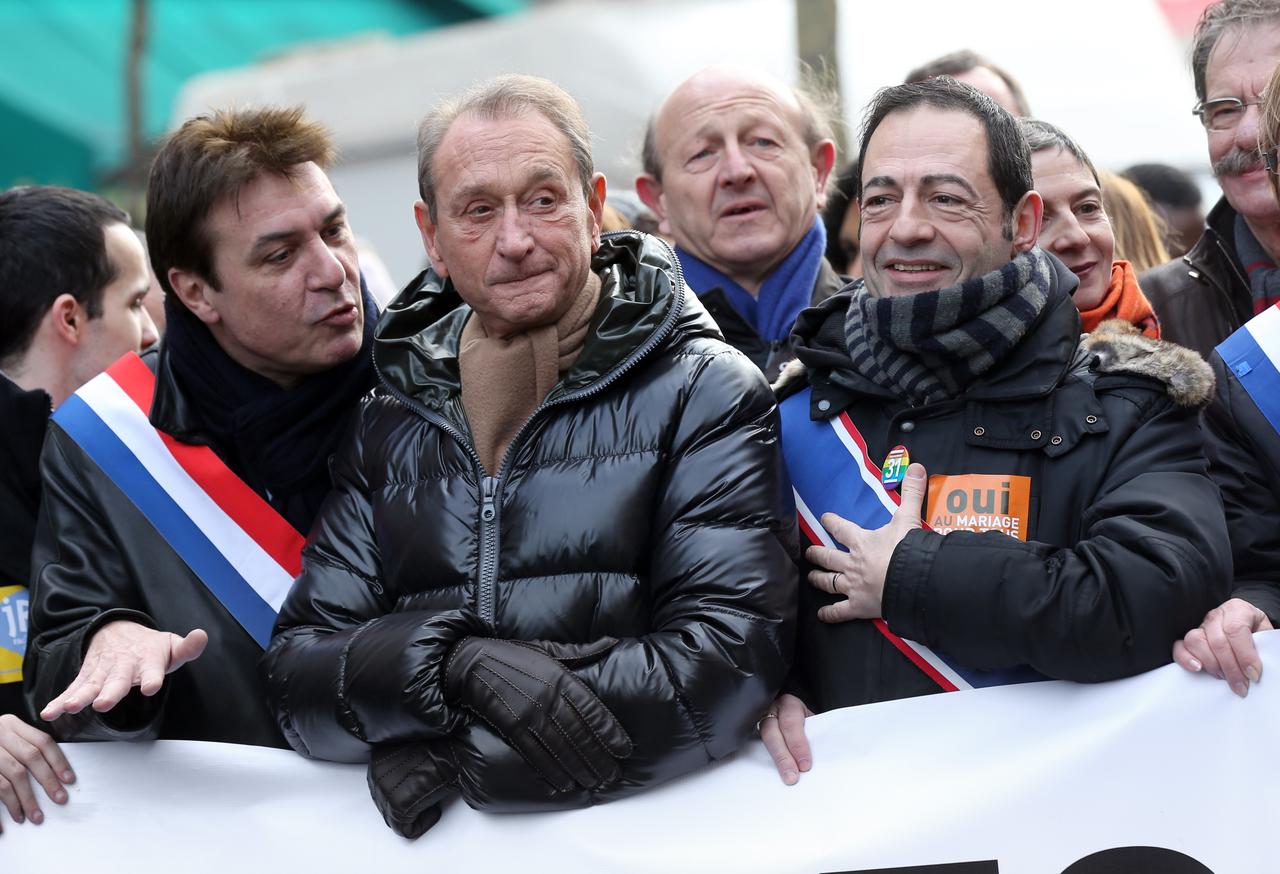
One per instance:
(1126, 545)
(1244, 460)
(644, 500)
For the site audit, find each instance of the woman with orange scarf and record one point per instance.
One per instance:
(1077, 231)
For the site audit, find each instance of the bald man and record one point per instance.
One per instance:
(736, 167)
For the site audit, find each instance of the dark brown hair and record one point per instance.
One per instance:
(210, 158)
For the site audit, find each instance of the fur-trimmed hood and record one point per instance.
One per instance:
(1116, 346)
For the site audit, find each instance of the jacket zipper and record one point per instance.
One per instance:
(491, 486)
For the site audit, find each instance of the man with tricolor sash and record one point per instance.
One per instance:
(990, 497)
(178, 486)
(73, 277)
(1242, 440)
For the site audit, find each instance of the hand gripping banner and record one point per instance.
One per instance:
(831, 472)
(243, 551)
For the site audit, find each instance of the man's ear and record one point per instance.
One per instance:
(195, 293)
(427, 228)
(649, 190)
(67, 319)
(823, 158)
(1026, 219)
(595, 203)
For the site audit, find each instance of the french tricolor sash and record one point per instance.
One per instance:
(831, 472)
(240, 548)
(1252, 353)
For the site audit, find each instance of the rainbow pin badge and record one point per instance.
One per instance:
(895, 467)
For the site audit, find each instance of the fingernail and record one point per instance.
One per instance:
(915, 472)
(60, 797)
(37, 817)
(790, 777)
(1241, 689)
(804, 764)
(68, 777)
(1253, 674)
(1195, 665)
(1218, 674)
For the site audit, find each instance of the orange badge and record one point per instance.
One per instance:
(979, 502)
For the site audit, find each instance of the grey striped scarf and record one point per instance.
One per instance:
(931, 346)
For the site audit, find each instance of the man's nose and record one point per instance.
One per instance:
(514, 241)
(1246, 137)
(911, 224)
(327, 269)
(736, 167)
(150, 334)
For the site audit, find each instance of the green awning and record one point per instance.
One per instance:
(62, 64)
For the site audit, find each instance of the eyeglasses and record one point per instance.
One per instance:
(1270, 161)
(1222, 113)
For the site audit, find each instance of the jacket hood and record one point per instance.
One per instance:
(643, 304)
(1116, 346)
(1032, 369)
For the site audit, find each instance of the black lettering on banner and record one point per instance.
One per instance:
(1137, 860)
(986, 867)
(1117, 860)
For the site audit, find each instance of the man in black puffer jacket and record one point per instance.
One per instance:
(555, 569)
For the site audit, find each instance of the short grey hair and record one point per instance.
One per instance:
(1215, 21)
(1040, 135)
(819, 114)
(505, 97)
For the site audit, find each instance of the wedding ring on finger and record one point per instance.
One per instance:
(769, 715)
(834, 574)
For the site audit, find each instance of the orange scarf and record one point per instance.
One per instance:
(1123, 300)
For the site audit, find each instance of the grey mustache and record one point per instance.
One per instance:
(1236, 162)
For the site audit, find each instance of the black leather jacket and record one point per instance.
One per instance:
(96, 560)
(1126, 545)
(1202, 297)
(644, 500)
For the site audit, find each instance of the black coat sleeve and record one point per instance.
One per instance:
(1244, 460)
(723, 589)
(1152, 558)
(79, 584)
(343, 670)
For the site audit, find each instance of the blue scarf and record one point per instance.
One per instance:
(783, 295)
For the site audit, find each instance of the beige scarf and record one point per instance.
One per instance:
(504, 379)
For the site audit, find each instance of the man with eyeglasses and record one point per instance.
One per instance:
(1231, 273)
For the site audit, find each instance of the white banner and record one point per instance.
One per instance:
(1018, 779)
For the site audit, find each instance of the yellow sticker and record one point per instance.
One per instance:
(13, 632)
(979, 502)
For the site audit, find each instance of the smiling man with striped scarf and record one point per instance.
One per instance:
(989, 496)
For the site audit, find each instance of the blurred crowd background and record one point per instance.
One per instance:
(88, 86)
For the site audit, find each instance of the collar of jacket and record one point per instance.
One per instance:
(171, 411)
(26, 417)
(1215, 252)
(643, 303)
(1032, 369)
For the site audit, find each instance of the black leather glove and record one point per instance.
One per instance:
(526, 693)
(408, 783)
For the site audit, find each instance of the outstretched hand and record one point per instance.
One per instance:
(122, 655)
(859, 574)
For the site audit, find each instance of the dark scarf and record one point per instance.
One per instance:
(782, 296)
(931, 346)
(1264, 276)
(278, 440)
